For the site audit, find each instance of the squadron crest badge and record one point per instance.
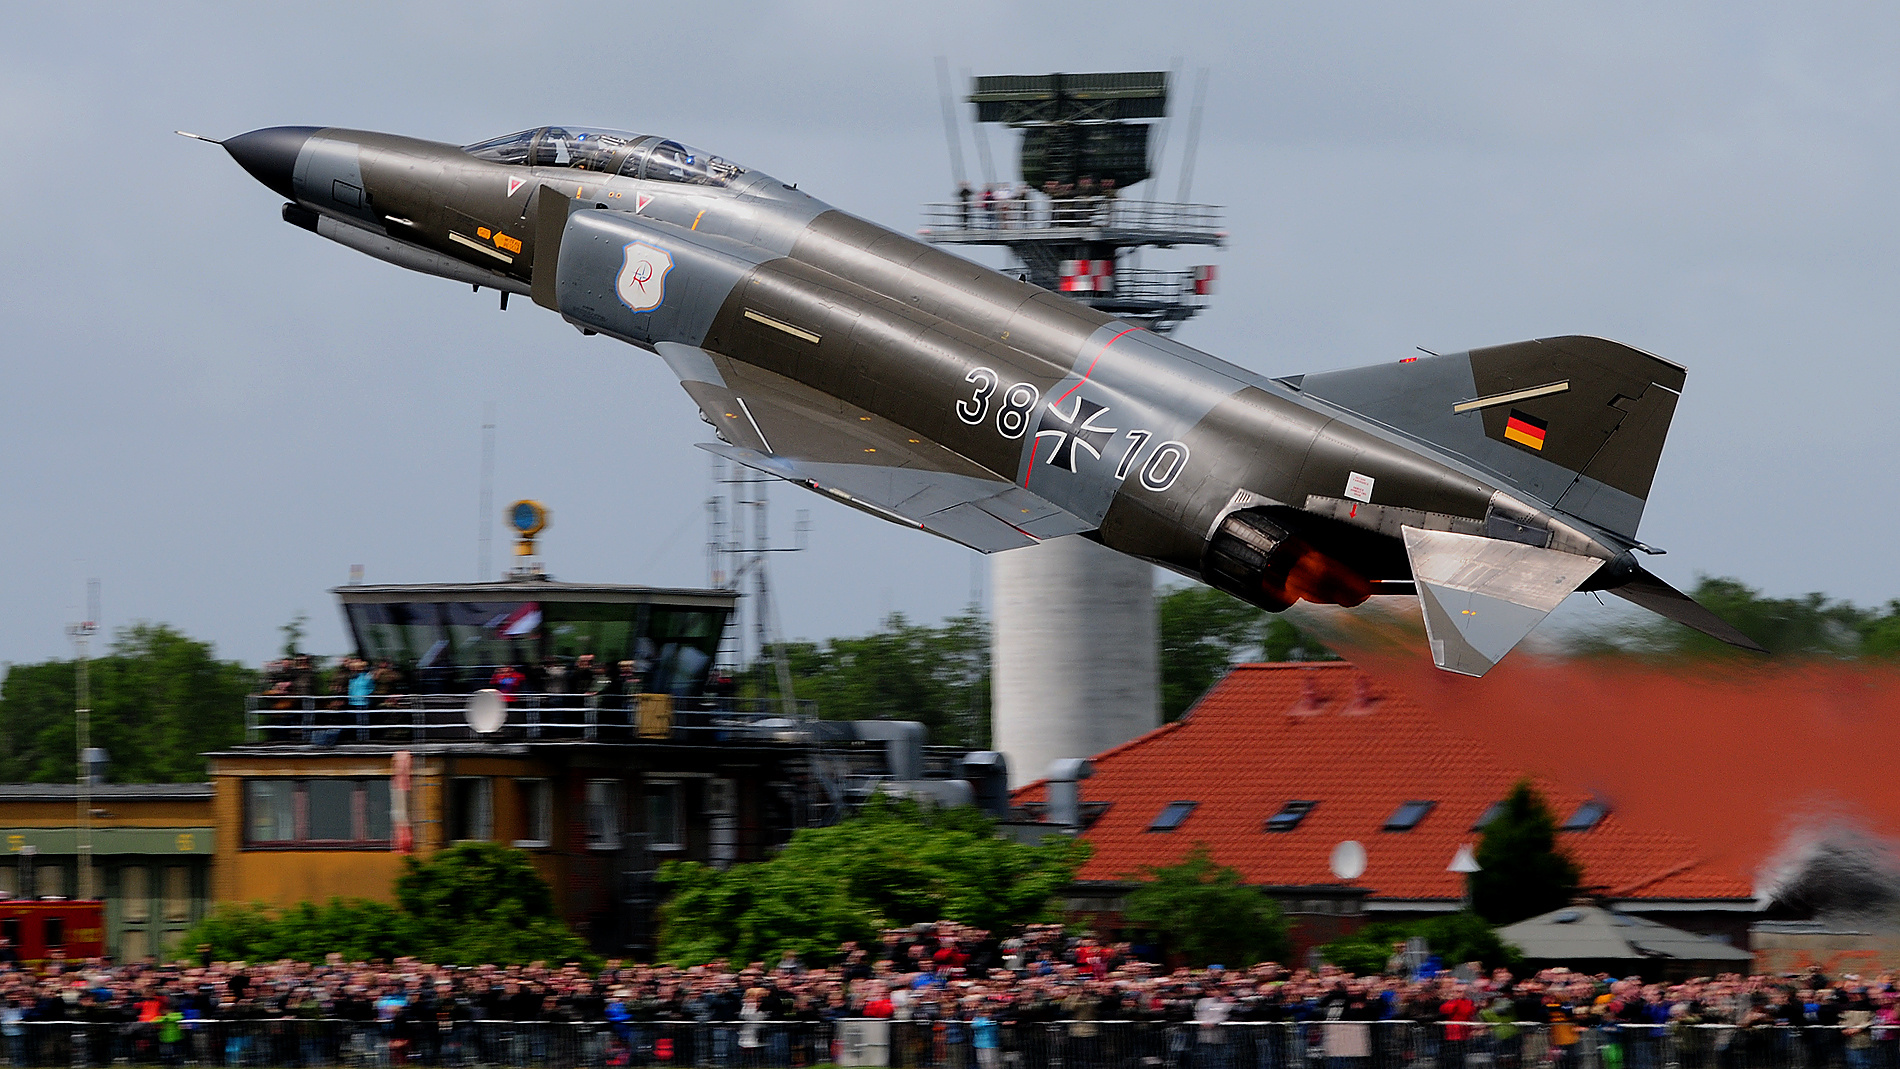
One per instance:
(642, 281)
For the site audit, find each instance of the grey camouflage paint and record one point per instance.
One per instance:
(931, 391)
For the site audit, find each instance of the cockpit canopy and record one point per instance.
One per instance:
(608, 152)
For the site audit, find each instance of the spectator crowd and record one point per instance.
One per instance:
(953, 996)
(356, 683)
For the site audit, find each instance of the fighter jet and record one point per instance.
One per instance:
(919, 387)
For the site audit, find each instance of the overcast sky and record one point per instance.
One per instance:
(218, 414)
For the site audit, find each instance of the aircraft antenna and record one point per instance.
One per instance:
(485, 521)
(950, 121)
(1193, 136)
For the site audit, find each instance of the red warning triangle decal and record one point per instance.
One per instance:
(640, 202)
(515, 183)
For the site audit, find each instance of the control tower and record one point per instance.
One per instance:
(1074, 649)
(1080, 228)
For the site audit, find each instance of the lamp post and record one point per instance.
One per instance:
(82, 715)
(1464, 862)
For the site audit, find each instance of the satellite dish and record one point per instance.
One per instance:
(1463, 861)
(1349, 860)
(485, 712)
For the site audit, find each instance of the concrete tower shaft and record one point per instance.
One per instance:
(1074, 656)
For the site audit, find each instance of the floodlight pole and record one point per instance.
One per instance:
(82, 714)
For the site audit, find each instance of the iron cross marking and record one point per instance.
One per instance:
(1076, 427)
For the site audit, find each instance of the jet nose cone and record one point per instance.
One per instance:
(270, 154)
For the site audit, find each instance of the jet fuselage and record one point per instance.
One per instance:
(943, 395)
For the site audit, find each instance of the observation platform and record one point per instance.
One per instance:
(1111, 221)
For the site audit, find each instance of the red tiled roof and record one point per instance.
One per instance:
(1270, 733)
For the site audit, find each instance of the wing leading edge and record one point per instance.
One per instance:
(782, 428)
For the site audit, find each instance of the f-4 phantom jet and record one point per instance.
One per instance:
(938, 394)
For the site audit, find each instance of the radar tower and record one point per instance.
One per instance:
(1069, 223)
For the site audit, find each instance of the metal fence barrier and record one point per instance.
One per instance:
(948, 1043)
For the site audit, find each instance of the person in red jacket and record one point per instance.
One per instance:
(1455, 1012)
(507, 679)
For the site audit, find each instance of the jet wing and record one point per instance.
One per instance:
(778, 426)
(1481, 596)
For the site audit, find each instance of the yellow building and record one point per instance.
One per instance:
(612, 754)
(152, 851)
(617, 750)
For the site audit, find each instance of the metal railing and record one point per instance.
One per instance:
(1112, 219)
(327, 720)
(1149, 287)
(431, 1039)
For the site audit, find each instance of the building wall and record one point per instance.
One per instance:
(1868, 951)
(151, 860)
(279, 876)
(595, 795)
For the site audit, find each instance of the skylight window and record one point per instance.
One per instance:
(1489, 815)
(1587, 816)
(1172, 816)
(1407, 816)
(1289, 816)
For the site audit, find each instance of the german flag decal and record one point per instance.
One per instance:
(1525, 429)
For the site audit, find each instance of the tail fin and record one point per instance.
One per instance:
(1577, 422)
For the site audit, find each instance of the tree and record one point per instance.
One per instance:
(294, 632)
(893, 864)
(1456, 939)
(159, 700)
(1521, 870)
(1203, 912)
(1205, 632)
(481, 902)
(1880, 636)
(470, 904)
(903, 671)
(1811, 625)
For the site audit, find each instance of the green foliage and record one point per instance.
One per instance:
(941, 675)
(1456, 939)
(1522, 871)
(1807, 626)
(469, 904)
(357, 929)
(903, 671)
(1205, 632)
(159, 700)
(295, 632)
(1880, 637)
(481, 902)
(1203, 912)
(893, 864)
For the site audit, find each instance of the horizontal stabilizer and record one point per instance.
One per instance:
(1481, 596)
(1668, 602)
